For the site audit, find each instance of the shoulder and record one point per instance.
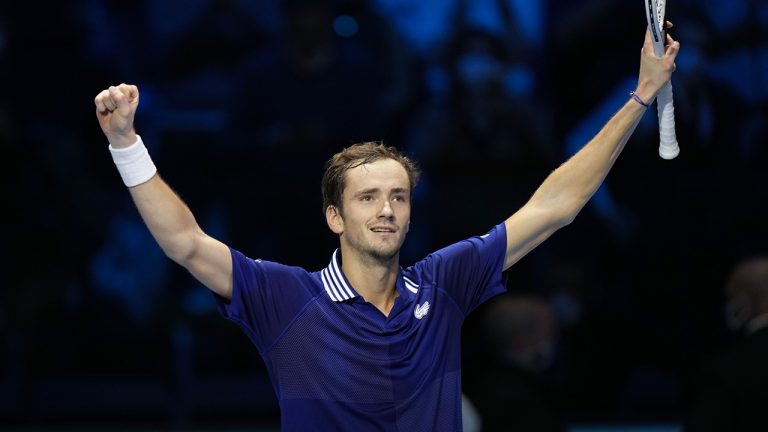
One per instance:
(491, 244)
(274, 273)
(741, 366)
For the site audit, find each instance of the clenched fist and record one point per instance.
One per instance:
(115, 109)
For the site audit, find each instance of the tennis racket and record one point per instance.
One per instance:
(668, 149)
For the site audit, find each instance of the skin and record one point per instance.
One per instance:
(370, 260)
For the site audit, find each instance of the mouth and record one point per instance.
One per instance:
(383, 229)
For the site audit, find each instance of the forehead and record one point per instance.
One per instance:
(384, 174)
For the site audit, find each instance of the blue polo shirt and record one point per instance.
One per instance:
(338, 364)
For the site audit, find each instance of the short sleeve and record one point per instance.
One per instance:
(266, 297)
(470, 271)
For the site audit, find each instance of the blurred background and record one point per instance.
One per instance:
(607, 326)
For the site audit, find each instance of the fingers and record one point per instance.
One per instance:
(103, 102)
(118, 98)
(121, 101)
(668, 24)
(131, 92)
(648, 43)
(673, 47)
(134, 92)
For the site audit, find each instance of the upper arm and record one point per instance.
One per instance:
(210, 262)
(174, 228)
(526, 229)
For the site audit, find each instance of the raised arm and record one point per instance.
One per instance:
(169, 220)
(567, 189)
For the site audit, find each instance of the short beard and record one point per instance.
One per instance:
(372, 256)
(379, 257)
(376, 257)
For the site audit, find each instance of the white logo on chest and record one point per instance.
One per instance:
(421, 310)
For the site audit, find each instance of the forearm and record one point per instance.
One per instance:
(168, 218)
(567, 189)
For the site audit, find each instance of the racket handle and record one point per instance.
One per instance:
(668, 148)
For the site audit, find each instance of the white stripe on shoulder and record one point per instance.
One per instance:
(327, 285)
(411, 285)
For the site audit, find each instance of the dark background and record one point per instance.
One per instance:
(241, 104)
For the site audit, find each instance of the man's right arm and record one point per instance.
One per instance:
(168, 218)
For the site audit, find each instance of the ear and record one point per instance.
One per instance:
(407, 226)
(334, 219)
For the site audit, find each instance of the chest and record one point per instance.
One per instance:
(350, 351)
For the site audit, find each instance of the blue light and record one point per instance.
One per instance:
(345, 26)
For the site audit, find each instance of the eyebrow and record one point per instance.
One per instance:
(375, 190)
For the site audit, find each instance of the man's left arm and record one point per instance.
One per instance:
(567, 189)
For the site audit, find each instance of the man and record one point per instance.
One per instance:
(364, 344)
(521, 333)
(730, 389)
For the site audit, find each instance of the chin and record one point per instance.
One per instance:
(381, 254)
(378, 250)
(384, 254)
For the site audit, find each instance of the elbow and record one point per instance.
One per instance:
(568, 214)
(565, 221)
(177, 255)
(181, 249)
(560, 210)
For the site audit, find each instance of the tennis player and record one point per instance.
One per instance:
(365, 344)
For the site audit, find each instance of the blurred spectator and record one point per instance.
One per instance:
(511, 390)
(320, 85)
(482, 108)
(733, 387)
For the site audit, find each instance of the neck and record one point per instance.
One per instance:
(373, 279)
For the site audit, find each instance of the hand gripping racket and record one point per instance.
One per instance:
(668, 149)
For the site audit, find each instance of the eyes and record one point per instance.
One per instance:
(399, 198)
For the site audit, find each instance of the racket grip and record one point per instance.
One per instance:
(668, 148)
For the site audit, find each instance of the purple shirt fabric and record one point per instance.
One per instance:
(337, 363)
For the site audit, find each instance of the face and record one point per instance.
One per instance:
(376, 210)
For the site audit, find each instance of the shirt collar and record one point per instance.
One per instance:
(409, 284)
(339, 289)
(334, 281)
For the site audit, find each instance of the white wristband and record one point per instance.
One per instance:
(133, 163)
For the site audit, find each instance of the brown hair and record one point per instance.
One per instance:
(353, 156)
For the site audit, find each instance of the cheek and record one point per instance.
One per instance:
(406, 213)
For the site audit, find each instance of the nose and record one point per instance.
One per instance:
(386, 210)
